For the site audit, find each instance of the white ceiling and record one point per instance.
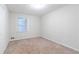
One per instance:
(25, 8)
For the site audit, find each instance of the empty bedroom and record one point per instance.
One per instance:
(39, 28)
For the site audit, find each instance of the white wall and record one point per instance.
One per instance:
(62, 26)
(4, 28)
(33, 26)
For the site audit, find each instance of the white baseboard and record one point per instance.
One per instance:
(24, 38)
(65, 45)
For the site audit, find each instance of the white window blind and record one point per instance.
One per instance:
(21, 24)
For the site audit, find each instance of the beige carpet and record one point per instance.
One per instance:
(36, 46)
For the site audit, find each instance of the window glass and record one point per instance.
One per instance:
(21, 24)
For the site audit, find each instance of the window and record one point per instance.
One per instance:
(21, 24)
